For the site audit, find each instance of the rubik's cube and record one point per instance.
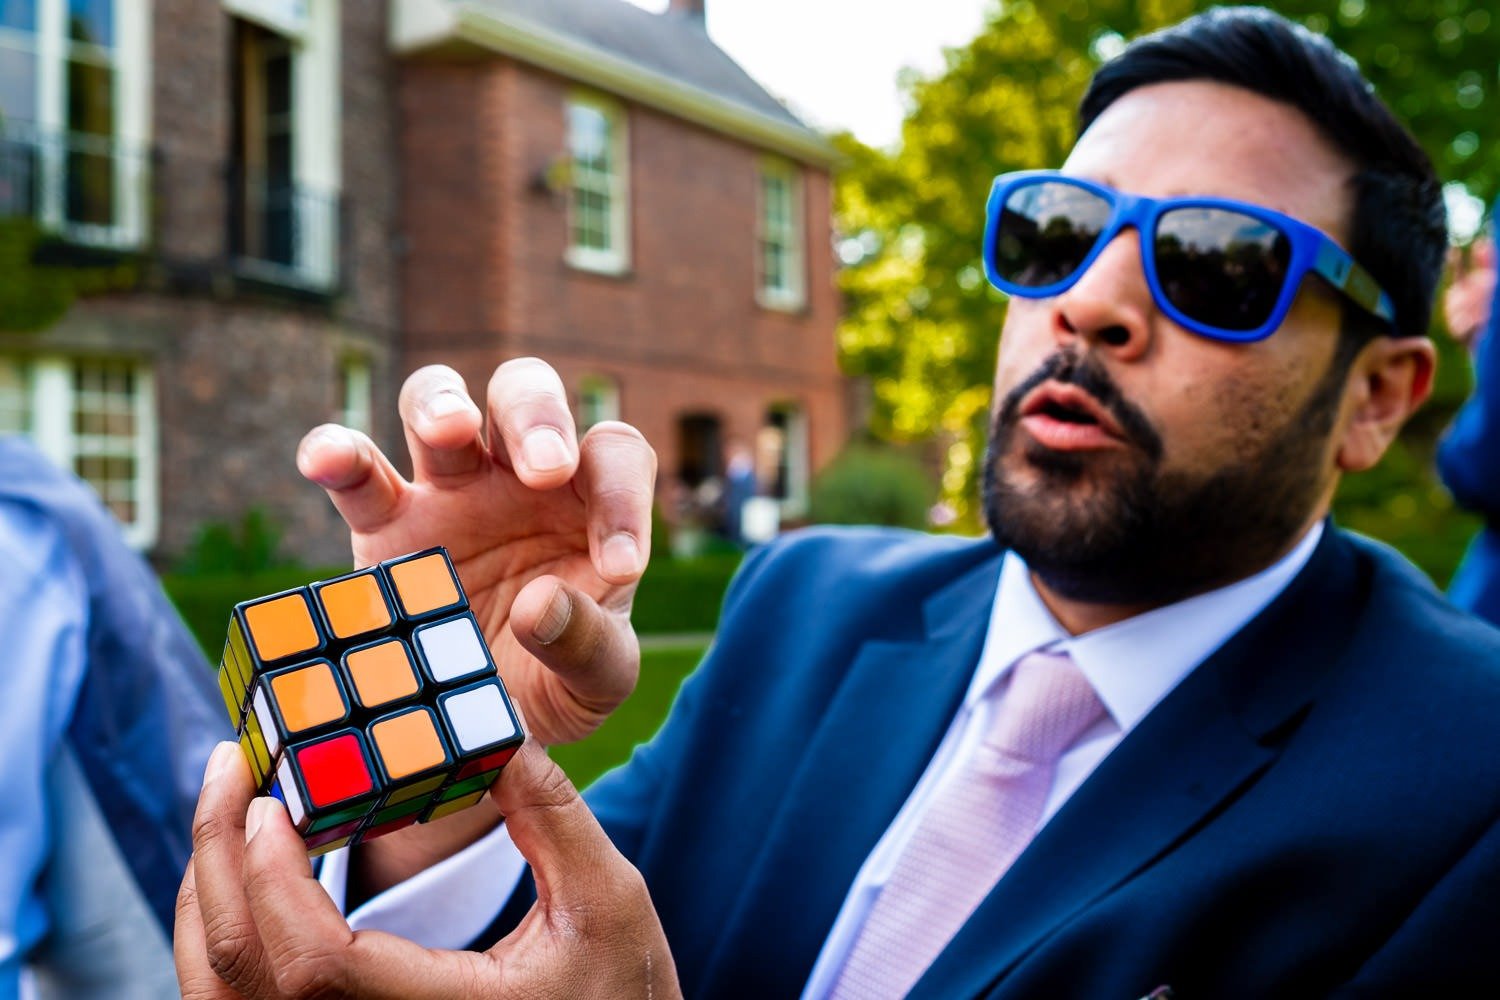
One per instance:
(368, 702)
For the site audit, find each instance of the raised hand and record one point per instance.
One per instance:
(549, 535)
(1467, 302)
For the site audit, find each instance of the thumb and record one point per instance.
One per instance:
(571, 857)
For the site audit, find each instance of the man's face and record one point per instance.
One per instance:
(1134, 462)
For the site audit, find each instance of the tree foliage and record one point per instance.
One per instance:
(920, 321)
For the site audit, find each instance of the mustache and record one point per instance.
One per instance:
(1069, 368)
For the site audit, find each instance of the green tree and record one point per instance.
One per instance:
(921, 322)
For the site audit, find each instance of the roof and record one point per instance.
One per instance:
(664, 60)
(672, 44)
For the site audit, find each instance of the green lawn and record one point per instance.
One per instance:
(662, 670)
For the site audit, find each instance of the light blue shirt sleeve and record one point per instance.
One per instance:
(43, 619)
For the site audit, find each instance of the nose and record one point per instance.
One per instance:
(1110, 305)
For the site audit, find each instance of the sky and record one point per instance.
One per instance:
(834, 62)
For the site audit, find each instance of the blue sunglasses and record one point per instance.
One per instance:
(1220, 268)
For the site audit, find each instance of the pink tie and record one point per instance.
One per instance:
(976, 824)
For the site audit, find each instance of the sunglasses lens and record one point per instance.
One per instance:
(1223, 268)
(1045, 231)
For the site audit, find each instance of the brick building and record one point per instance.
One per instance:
(648, 219)
(292, 203)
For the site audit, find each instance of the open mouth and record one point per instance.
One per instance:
(1067, 414)
(1068, 404)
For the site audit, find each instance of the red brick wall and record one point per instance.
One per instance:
(680, 332)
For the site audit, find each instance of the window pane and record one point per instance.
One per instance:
(106, 447)
(588, 135)
(91, 126)
(91, 99)
(17, 85)
(18, 14)
(91, 188)
(91, 21)
(591, 142)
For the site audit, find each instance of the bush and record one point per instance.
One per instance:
(869, 484)
(250, 547)
(675, 595)
(683, 595)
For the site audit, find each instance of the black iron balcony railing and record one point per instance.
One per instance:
(86, 189)
(283, 232)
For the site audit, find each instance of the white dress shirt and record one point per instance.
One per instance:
(1132, 665)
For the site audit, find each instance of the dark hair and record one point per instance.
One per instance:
(1399, 230)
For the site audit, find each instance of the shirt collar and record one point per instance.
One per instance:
(1135, 663)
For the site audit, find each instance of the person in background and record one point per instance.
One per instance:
(739, 486)
(107, 716)
(1469, 454)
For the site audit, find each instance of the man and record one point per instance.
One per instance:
(1168, 728)
(1467, 455)
(107, 712)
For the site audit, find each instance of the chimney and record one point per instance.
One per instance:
(690, 9)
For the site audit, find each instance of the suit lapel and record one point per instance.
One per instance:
(1207, 740)
(880, 731)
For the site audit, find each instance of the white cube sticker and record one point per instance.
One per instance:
(478, 717)
(267, 723)
(289, 789)
(452, 649)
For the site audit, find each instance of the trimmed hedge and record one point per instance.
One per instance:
(674, 596)
(634, 722)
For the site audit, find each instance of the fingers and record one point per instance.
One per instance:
(531, 428)
(195, 976)
(441, 423)
(575, 865)
(253, 922)
(593, 652)
(363, 485)
(308, 944)
(229, 939)
(602, 934)
(616, 478)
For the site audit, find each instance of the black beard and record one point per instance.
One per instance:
(1144, 536)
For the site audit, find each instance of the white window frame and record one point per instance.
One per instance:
(614, 259)
(789, 233)
(130, 61)
(603, 389)
(51, 396)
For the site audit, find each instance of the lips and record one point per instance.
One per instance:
(1067, 418)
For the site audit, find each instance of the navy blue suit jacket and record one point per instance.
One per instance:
(1314, 807)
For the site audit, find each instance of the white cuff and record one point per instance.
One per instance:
(445, 906)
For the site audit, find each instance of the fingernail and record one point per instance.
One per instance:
(620, 556)
(324, 437)
(260, 810)
(445, 404)
(555, 618)
(219, 761)
(544, 450)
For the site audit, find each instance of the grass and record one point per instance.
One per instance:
(662, 671)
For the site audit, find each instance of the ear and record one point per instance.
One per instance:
(1389, 379)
